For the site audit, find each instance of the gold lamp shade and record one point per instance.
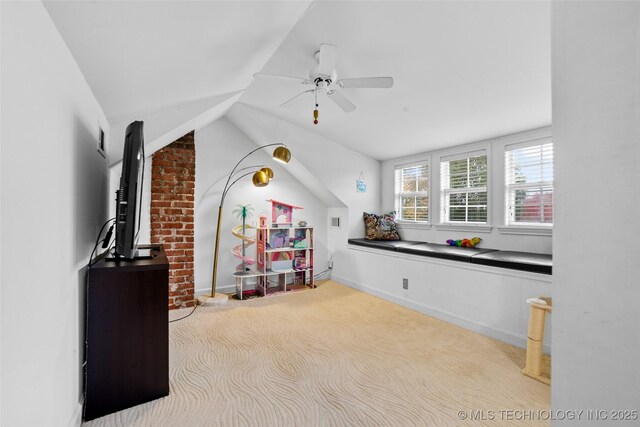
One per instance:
(282, 154)
(260, 178)
(268, 171)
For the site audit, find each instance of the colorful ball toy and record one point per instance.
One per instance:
(467, 243)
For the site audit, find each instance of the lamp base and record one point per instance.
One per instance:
(208, 300)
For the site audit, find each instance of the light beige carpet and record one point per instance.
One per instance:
(333, 356)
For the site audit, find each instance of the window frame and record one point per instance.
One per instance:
(444, 192)
(508, 188)
(398, 194)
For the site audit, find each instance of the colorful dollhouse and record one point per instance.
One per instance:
(284, 254)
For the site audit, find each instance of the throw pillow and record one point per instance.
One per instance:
(380, 227)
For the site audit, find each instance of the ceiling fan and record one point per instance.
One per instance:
(325, 81)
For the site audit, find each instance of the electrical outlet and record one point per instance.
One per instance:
(405, 283)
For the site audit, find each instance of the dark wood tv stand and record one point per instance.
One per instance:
(127, 333)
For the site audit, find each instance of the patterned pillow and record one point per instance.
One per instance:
(380, 227)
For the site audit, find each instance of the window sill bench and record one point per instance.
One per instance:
(513, 260)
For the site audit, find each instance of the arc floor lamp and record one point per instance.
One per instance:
(261, 177)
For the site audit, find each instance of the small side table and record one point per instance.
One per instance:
(533, 366)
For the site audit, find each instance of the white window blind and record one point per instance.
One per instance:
(529, 184)
(464, 188)
(412, 192)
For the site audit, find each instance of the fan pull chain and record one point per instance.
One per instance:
(315, 112)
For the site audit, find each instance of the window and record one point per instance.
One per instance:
(412, 192)
(464, 188)
(529, 183)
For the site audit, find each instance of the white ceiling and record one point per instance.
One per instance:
(143, 56)
(463, 71)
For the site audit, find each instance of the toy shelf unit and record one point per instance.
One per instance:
(284, 259)
(284, 256)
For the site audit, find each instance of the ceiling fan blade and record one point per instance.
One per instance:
(346, 105)
(327, 60)
(367, 82)
(282, 76)
(284, 104)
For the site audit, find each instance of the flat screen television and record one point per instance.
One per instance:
(129, 195)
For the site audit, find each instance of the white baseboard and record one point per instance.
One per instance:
(518, 341)
(76, 418)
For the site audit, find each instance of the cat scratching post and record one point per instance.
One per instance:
(533, 366)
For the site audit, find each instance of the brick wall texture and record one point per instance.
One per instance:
(173, 174)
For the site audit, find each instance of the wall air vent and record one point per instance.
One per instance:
(102, 149)
(334, 222)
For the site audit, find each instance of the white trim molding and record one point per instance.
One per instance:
(526, 231)
(414, 225)
(464, 227)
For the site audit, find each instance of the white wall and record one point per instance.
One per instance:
(170, 123)
(332, 166)
(0, 222)
(54, 200)
(497, 237)
(488, 300)
(596, 105)
(218, 147)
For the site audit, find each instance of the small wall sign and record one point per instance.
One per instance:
(361, 184)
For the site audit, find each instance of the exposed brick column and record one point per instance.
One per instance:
(173, 174)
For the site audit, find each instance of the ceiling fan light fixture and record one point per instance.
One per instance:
(325, 80)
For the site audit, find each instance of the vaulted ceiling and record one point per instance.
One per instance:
(463, 71)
